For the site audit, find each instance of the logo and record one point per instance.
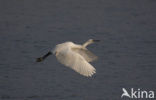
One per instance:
(137, 93)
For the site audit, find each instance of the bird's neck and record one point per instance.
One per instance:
(87, 43)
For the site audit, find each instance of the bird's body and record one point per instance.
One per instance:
(76, 57)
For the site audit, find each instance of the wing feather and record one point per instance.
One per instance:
(89, 56)
(76, 62)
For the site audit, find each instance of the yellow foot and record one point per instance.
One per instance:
(39, 59)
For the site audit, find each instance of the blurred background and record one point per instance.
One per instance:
(30, 28)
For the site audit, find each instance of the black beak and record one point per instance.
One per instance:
(96, 40)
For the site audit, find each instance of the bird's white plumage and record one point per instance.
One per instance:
(76, 57)
(88, 56)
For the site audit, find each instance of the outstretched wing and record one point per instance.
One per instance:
(76, 62)
(89, 56)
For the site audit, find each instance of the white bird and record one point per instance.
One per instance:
(74, 56)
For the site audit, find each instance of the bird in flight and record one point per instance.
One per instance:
(74, 56)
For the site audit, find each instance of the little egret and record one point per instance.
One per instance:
(74, 56)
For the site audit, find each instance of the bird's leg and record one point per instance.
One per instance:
(43, 57)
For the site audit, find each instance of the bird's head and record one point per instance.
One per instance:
(92, 40)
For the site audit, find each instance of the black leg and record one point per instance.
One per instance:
(43, 57)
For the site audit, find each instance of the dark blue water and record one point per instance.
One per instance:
(30, 28)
